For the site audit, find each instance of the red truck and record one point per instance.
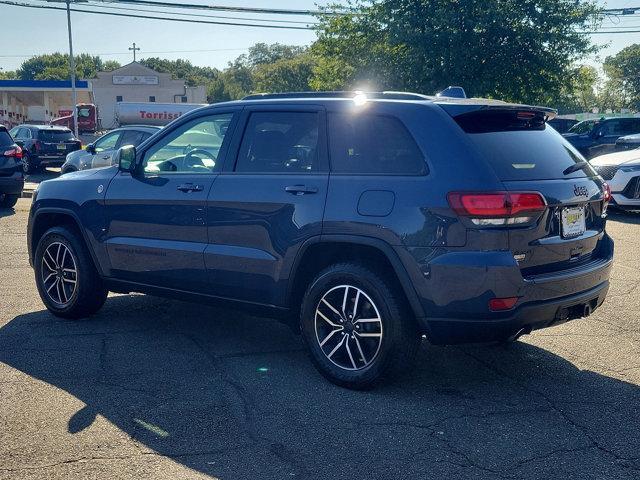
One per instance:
(87, 118)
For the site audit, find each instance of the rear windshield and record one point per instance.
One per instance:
(55, 135)
(522, 148)
(5, 139)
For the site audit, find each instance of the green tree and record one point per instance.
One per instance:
(8, 75)
(623, 79)
(284, 75)
(55, 66)
(518, 50)
(239, 76)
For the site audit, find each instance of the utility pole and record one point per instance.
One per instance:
(72, 66)
(134, 50)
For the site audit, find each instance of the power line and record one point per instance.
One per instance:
(168, 19)
(146, 52)
(226, 8)
(196, 14)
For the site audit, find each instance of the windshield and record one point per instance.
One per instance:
(583, 127)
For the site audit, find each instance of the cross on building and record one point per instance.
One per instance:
(134, 49)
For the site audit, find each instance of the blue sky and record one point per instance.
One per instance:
(44, 31)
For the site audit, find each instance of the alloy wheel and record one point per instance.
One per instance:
(59, 273)
(348, 327)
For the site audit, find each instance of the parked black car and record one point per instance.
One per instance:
(11, 178)
(100, 153)
(628, 142)
(562, 125)
(598, 137)
(44, 145)
(365, 221)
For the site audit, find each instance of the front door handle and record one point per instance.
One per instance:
(189, 187)
(300, 189)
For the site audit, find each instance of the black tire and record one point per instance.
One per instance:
(399, 334)
(27, 164)
(89, 293)
(8, 201)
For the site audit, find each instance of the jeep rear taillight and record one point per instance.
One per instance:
(497, 208)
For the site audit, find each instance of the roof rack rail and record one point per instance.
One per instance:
(340, 94)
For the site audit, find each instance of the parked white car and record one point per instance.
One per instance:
(621, 170)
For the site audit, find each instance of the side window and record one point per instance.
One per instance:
(374, 144)
(280, 142)
(191, 148)
(14, 132)
(130, 137)
(108, 142)
(612, 127)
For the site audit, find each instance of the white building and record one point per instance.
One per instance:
(136, 83)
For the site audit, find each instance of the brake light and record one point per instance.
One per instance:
(497, 208)
(14, 152)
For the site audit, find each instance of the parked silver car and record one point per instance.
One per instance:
(100, 153)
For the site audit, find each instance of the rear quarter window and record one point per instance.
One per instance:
(521, 149)
(5, 139)
(373, 144)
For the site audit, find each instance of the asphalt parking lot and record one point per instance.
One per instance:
(152, 388)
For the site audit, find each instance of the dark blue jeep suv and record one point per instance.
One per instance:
(365, 220)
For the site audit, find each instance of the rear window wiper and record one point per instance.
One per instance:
(575, 167)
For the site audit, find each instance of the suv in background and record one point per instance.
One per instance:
(44, 145)
(366, 221)
(11, 178)
(100, 153)
(598, 137)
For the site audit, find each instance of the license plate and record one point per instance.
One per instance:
(573, 223)
(61, 146)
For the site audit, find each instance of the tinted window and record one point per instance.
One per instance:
(520, 147)
(280, 142)
(5, 139)
(190, 148)
(55, 135)
(583, 127)
(373, 144)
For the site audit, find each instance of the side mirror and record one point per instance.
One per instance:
(126, 158)
(91, 148)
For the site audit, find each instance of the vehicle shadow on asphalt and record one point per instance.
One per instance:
(6, 212)
(624, 217)
(235, 397)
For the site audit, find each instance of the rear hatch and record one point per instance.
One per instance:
(57, 142)
(10, 155)
(529, 157)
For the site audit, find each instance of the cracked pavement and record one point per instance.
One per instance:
(153, 388)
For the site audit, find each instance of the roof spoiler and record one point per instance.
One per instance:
(456, 109)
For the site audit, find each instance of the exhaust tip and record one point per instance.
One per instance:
(587, 310)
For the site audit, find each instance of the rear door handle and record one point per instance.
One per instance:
(300, 189)
(189, 187)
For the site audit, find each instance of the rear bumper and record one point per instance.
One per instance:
(12, 185)
(50, 160)
(456, 287)
(528, 317)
